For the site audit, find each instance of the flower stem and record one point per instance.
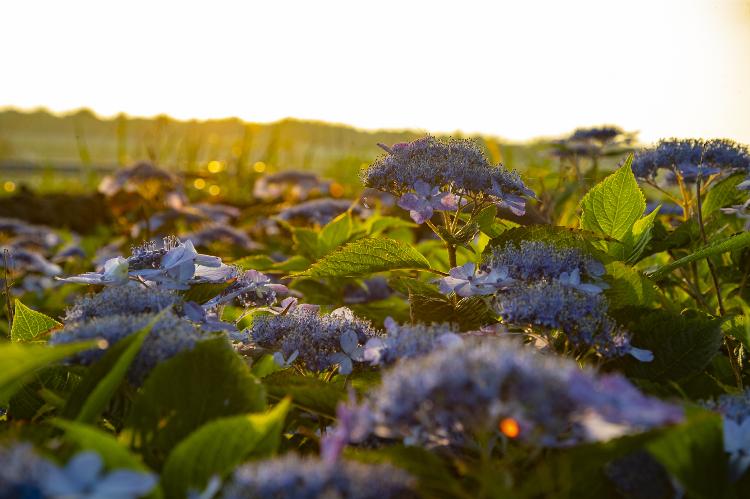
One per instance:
(711, 268)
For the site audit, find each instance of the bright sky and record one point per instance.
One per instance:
(517, 69)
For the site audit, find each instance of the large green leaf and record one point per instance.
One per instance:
(683, 345)
(218, 446)
(732, 243)
(724, 193)
(194, 387)
(19, 362)
(307, 392)
(113, 453)
(694, 454)
(367, 256)
(629, 288)
(104, 378)
(335, 233)
(28, 324)
(612, 206)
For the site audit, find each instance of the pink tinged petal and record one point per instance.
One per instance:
(446, 201)
(422, 215)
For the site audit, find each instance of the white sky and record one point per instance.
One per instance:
(517, 68)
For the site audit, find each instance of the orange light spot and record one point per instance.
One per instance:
(509, 427)
(214, 190)
(199, 183)
(337, 190)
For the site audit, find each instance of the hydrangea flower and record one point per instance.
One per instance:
(408, 341)
(372, 289)
(24, 234)
(116, 300)
(176, 265)
(252, 288)
(469, 388)
(292, 183)
(143, 178)
(431, 173)
(169, 336)
(307, 477)
(735, 411)
(24, 260)
(691, 158)
(741, 211)
(220, 233)
(319, 342)
(467, 280)
(425, 199)
(25, 474)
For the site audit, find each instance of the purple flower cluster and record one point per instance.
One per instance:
(169, 336)
(117, 300)
(318, 341)
(174, 265)
(250, 289)
(692, 158)
(317, 211)
(431, 174)
(559, 288)
(310, 478)
(408, 341)
(592, 141)
(735, 410)
(467, 389)
(291, 183)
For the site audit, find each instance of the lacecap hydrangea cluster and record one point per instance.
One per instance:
(408, 341)
(120, 311)
(319, 342)
(24, 474)
(692, 158)
(557, 288)
(431, 174)
(471, 387)
(311, 478)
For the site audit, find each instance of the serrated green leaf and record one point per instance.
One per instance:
(19, 362)
(732, 243)
(367, 256)
(29, 399)
(294, 263)
(639, 237)
(378, 224)
(335, 233)
(306, 242)
(28, 323)
(254, 262)
(724, 193)
(613, 205)
(629, 288)
(307, 392)
(683, 345)
(217, 447)
(194, 387)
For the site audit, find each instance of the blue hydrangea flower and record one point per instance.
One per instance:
(467, 280)
(691, 158)
(319, 342)
(290, 183)
(408, 341)
(309, 478)
(116, 300)
(175, 265)
(169, 336)
(533, 260)
(24, 474)
(735, 410)
(454, 167)
(221, 233)
(23, 260)
(318, 211)
(467, 389)
(425, 200)
(252, 288)
(741, 211)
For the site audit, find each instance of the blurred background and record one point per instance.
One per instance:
(230, 89)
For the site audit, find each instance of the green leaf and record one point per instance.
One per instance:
(378, 224)
(724, 193)
(731, 243)
(694, 454)
(335, 233)
(103, 379)
(638, 238)
(485, 219)
(367, 256)
(29, 400)
(306, 242)
(19, 362)
(201, 293)
(217, 447)
(308, 393)
(194, 387)
(254, 262)
(296, 263)
(612, 206)
(28, 324)
(683, 345)
(629, 288)
(87, 437)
